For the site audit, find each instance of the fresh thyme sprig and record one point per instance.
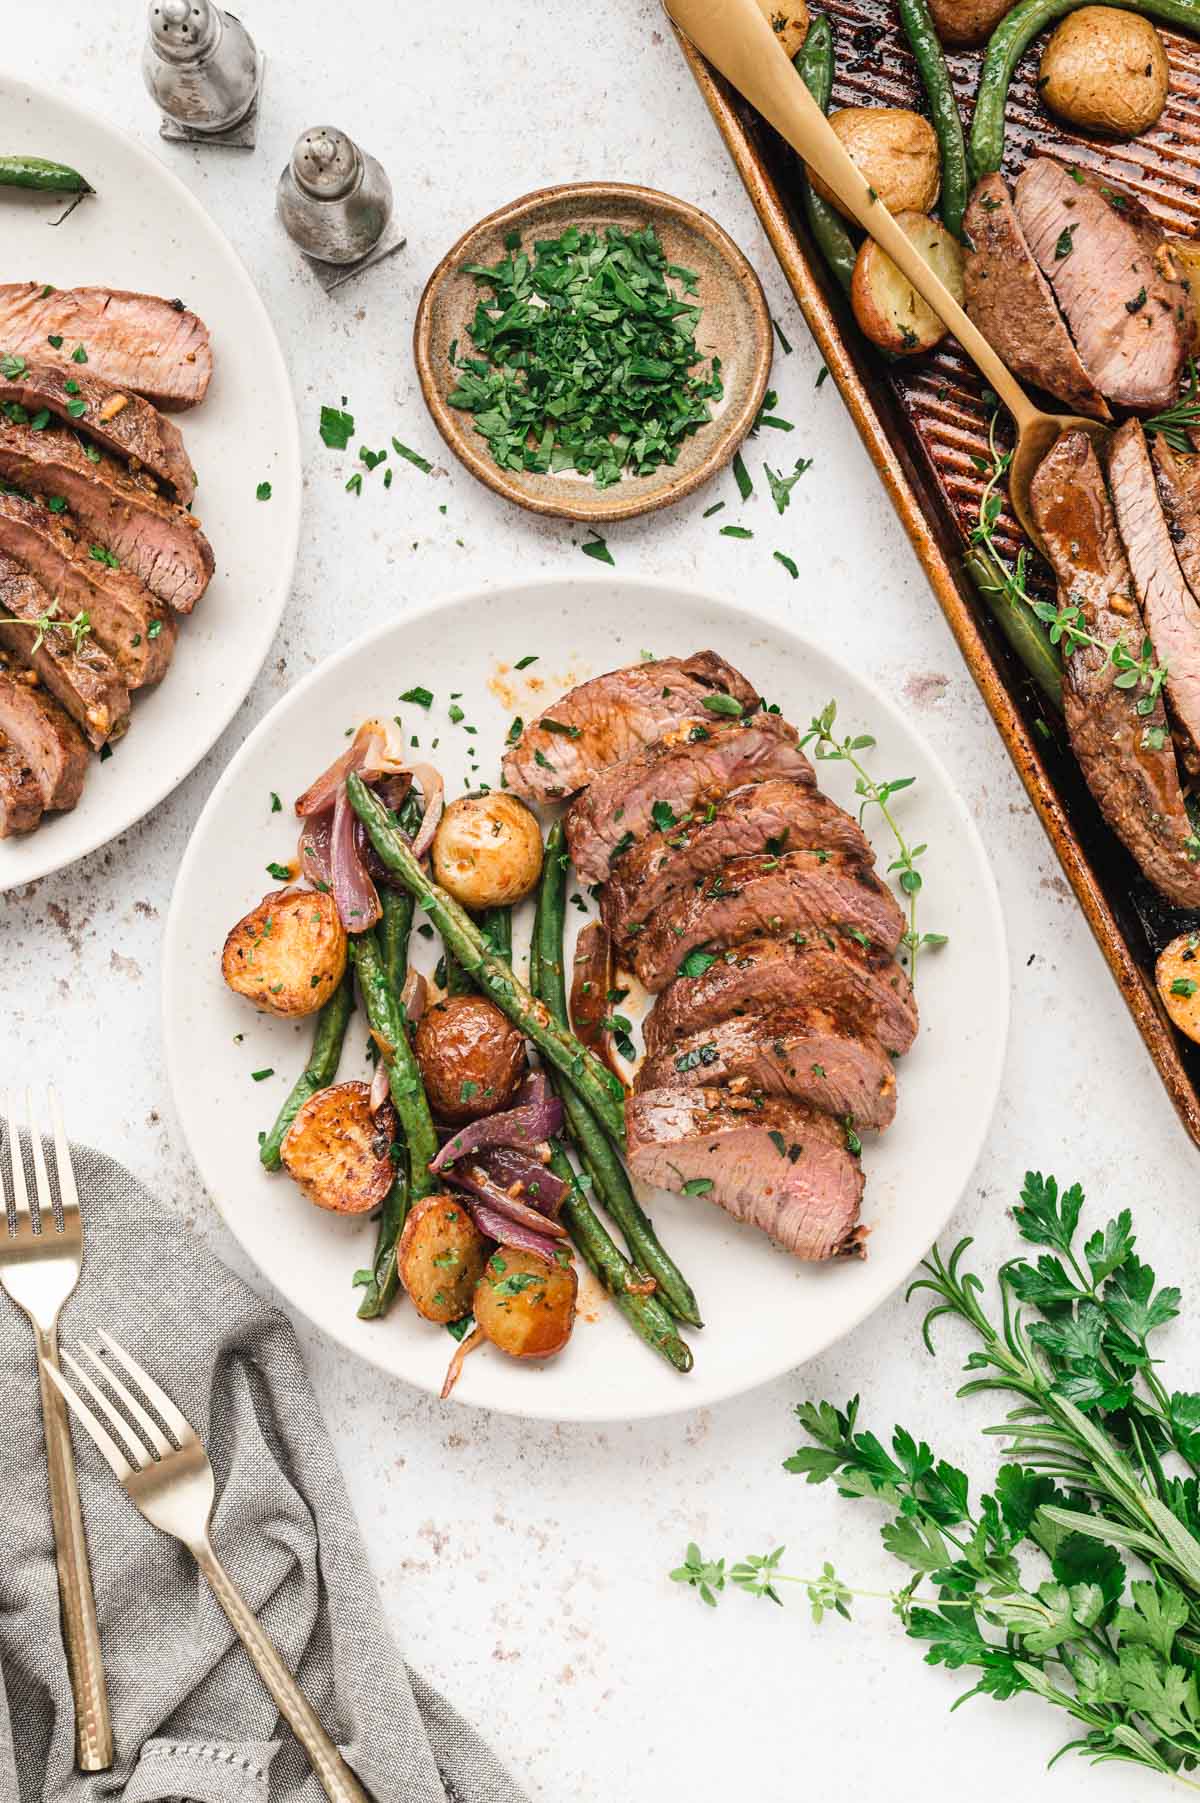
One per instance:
(876, 794)
(1174, 423)
(76, 629)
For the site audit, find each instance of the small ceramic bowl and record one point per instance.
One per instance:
(734, 325)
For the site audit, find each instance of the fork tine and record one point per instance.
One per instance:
(112, 1414)
(122, 1470)
(148, 1425)
(62, 1157)
(16, 1165)
(41, 1177)
(179, 1425)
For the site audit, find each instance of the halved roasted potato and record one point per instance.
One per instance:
(487, 850)
(1177, 973)
(441, 1258)
(525, 1306)
(887, 307)
(789, 23)
(339, 1152)
(288, 955)
(1105, 70)
(896, 151)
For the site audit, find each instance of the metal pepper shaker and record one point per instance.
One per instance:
(335, 201)
(203, 71)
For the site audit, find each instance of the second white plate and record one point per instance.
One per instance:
(764, 1312)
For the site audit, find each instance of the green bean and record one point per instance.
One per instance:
(388, 1023)
(383, 1279)
(496, 927)
(37, 172)
(591, 1079)
(930, 58)
(395, 931)
(1019, 626)
(609, 1177)
(457, 982)
(320, 1070)
(814, 65)
(1009, 42)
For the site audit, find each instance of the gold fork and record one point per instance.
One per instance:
(173, 1486)
(40, 1258)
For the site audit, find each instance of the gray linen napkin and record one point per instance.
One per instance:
(190, 1718)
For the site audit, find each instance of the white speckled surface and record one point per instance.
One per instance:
(523, 1567)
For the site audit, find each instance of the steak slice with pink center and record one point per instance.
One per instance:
(139, 341)
(117, 419)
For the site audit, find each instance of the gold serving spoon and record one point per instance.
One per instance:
(737, 39)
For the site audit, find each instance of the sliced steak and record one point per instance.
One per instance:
(115, 418)
(1126, 757)
(611, 717)
(136, 630)
(1168, 606)
(1113, 276)
(80, 675)
(787, 974)
(801, 892)
(778, 1165)
(139, 341)
(1010, 301)
(1178, 480)
(697, 762)
(770, 817)
(50, 743)
(809, 1055)
(153, 538)
(21, 805)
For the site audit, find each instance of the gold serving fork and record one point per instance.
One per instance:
(40, 1257)
(172, 1485)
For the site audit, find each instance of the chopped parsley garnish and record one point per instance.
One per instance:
(698, 1056)
(411, 456)
(261, 1076)
(101, 554)
(723, 704)
(1185, 986)
(696, 963)
(515, 731)
(523, 663)
(741, 476)
(79, 354)
(560, 726)
(784, 346)
(419, 696)
(781, 486)
(709, 511)
(697, 1186)
(456, 714)
(263, 492)
(13, 368)
(276, 804)
(789, 563)
(337, 428)
(281, 872)
(597, 547)
(663, 816)
(354, 486)
(736, 532)
(57, 503)
(1065, 243)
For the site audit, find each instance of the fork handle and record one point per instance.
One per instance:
(81, 1631)
(337, 1780)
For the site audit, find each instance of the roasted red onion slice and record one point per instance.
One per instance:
(522, 1126)
(544, 1191)
(507, 1232)
(378, 750)
(433, 794)
(380, 1087)
(414, 996)
(314, 851)
(355, 894)
(475, 1182)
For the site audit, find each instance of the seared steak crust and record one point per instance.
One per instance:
(607, 719)
(1168, 606)
(1010, 301)
(82, 678)
(762, 975)
(118, 420)
(136, 630)
(802, 891)
(153, 538)
(810, 1055)
(1178, 481)
(772, 816)
(698, 761)
(775, 1164)
(38, 729)
(21, 805)
(139, 341)
(1126, 757)
(1108, 265)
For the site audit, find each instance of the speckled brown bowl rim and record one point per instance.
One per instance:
(608, 504)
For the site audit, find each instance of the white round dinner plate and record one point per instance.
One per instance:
(764, 1312)
(143, 230)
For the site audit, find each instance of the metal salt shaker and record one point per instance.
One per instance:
(335, 201)
(203, 71)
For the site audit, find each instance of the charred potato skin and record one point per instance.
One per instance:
(525, 1307)
(1177, 973)
(487, 850)
(441, 1258)
(1105, 70)
(887, 308)
(472, 1058)
(789, 23)
(895, 150)
(288, 955)
(338, 1152)
(964, 23)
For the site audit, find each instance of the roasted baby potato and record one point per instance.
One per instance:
(789, 23)
(472, 1058)
(1105, 70)
(887, 306)
(525, 1306)
(487, 850)
(441, 1257)
(1177, 973)
(967, 21)
(895, 150)
(288, 954)
(339, 1152)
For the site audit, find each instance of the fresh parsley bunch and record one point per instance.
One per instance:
(1078, 1575)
